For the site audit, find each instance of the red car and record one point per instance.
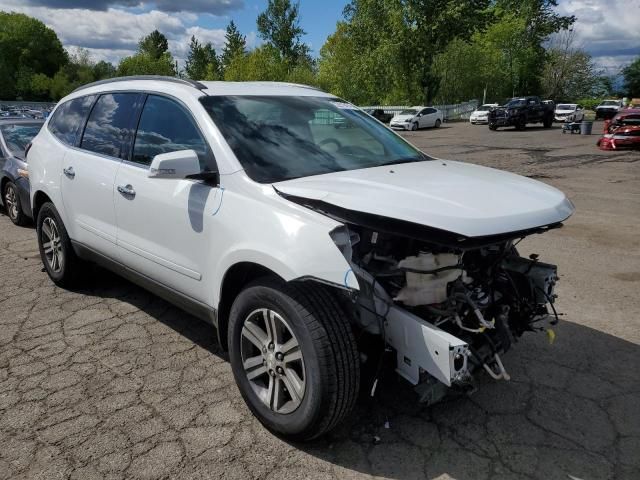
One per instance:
(622, 132)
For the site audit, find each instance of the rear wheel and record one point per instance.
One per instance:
(294, 357)
(13, 205)
(59, 259)
(521, 124)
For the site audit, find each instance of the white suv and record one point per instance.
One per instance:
(311, 249)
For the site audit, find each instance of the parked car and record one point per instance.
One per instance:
(518, 112)
(303, 244)
(622, 131)
(608, 108)
(380, 114)
(15, 135)
(564, 110)
(481, 114)
(417, 117)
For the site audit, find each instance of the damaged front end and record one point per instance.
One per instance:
(447, 305)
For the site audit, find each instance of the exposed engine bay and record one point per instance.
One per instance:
(447, 311)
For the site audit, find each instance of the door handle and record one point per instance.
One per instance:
(127, 190)
(69, 172)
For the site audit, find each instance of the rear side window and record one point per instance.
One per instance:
(166, 127)
(109, 124)
(69, 117)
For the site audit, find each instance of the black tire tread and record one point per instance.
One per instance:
(73, 265)
(337, 351)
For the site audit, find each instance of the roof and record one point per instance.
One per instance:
(210, 88)
(262, 88)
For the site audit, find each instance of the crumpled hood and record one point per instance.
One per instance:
(457, 197)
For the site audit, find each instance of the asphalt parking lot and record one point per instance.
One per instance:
(111, 382)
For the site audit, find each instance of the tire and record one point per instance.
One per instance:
(438, 123)
(328, 370)
(13, 205)
(66, 270)
(493, 127)
(547, 122)
(522, 124)
(414, 127)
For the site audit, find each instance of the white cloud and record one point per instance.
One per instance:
(113, 33)
(607, 29)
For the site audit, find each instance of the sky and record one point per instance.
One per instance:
(110, 29)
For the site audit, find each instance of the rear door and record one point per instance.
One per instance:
(89, 171)
(429, 117)
(164, 224)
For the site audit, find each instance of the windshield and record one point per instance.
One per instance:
(485, 108)
(278, 138)
(566, 107)
(18, 136)
(516, 102)
(610, 102)
(410, 111)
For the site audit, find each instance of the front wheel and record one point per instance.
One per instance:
(493, 126)
(438, 123)
(13, 204)
(414, 127)
(294, 357)
(547, 122)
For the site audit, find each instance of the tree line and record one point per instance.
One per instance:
(400, 52)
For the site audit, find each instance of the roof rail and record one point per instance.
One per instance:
(183, 81)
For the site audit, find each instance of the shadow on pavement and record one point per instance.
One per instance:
(570, 410)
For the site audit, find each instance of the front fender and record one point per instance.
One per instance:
(257, 225)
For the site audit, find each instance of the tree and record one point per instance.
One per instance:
(569, 72)
(336, 72)
(152, 58)
(631, 75)
(279, 26)
(155, 45)
(27, 47)
(235, 45)
(103, 69)
(202, 61)
(145, 64)
(540, 20)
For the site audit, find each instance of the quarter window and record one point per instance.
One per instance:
(166, 127)
(69, 117)
(109, 124)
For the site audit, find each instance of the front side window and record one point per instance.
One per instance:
(69, 117)
(278, 138)
(109, 124)
(17, 136)
(166, 127)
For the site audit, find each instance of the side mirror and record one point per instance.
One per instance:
(180, 164)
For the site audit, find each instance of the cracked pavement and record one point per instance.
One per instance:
(109, 381)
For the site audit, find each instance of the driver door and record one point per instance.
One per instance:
(163, 231)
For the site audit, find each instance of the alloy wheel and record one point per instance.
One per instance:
(11, 202)
(273, 361)
(52, 244)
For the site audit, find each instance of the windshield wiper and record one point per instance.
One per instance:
(400, 160)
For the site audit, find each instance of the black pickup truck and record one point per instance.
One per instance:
(518, 112)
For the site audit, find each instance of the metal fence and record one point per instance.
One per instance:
(457, 111)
